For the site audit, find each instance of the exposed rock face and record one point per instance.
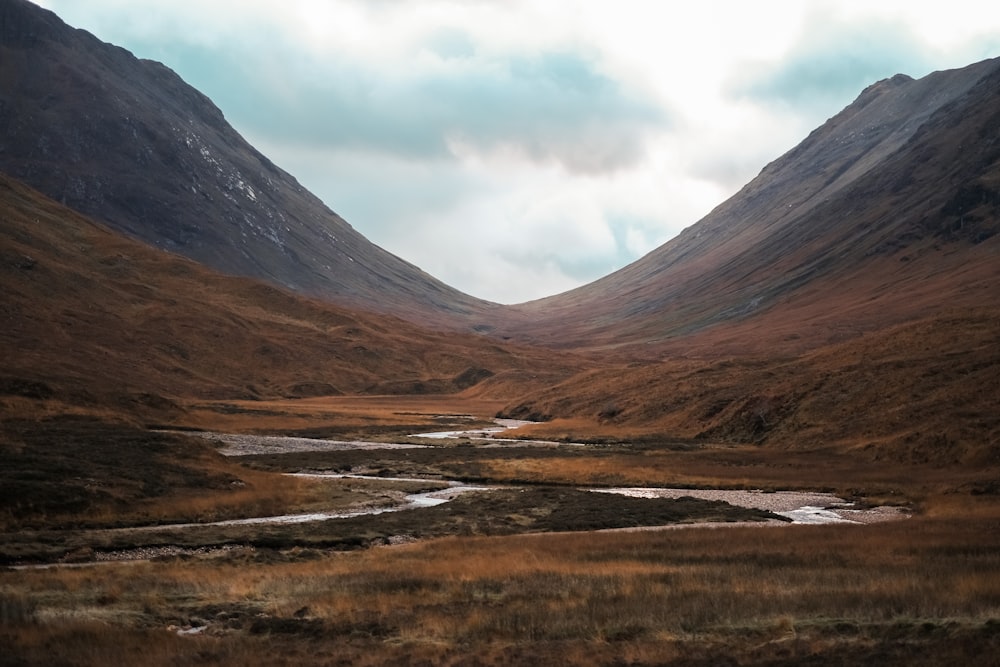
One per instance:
(127, 142)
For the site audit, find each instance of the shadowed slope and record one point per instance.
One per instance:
(870, 221)
(849, 296)
(128, 143)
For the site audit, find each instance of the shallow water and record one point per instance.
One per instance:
(799, 506)
(487, 437)
(789, 504)
(486, 433)
(411, 501)
(239, 444)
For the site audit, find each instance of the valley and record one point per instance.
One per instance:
(235, 431)
(482, 575)
(372, 484)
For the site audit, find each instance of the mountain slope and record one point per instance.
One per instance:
(878, 217)
(925, 391)
(885, 213)
(91, 318)
(128, 143)
(848, 298)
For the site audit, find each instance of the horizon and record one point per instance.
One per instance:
(544, 158)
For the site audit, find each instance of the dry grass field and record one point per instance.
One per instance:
(461, 584)
(926, 391)
(921, 592)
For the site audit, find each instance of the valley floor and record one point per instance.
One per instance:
(519, 577)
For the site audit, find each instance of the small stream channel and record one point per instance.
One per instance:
(800, 507)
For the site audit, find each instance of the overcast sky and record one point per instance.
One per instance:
(516, 149)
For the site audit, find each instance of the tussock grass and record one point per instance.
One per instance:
(78, 473)
(922, 591)
(738, 466)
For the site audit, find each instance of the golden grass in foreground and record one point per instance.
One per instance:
(922, 591)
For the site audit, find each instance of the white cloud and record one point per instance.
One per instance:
(517, 148)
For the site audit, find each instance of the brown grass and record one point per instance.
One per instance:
(67, 472)
(338, 416)
(742, 467)
(106, 325)
(924, 591)
(924, 392)
(878, 380)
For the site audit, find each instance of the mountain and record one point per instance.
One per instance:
(886, 213)
(881, 215)
(846, 298)
(127, 142)
(94, 320)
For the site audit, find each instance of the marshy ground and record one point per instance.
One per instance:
(517, 575)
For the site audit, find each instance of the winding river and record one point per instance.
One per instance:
(800, 507)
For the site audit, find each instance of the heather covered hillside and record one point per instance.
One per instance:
(926, 392)
(857, 270)
(848, 296)
(95, 320)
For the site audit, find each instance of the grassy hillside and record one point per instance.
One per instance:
(925, 391)
(95, 321)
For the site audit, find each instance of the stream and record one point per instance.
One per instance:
(808, 508)
(800, 507)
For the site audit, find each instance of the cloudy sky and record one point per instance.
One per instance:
(519, 148)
